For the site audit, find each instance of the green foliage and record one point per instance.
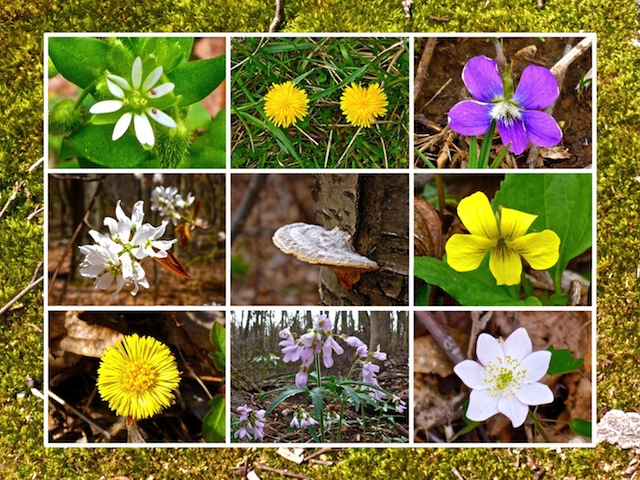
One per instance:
(219, 340)
(562, 204)
(87, 62)
(322, 67)
(562, 361)
(213, 425)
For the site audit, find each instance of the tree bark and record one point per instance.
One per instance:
(374, 209)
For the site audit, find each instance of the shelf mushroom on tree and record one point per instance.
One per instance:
(372, 211)
(329, 248)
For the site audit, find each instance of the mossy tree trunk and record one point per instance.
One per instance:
(374, 209)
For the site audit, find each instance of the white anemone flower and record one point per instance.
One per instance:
(506, 378)
(135, 99)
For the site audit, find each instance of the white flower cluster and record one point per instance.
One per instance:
(169, 203)
(116, 256)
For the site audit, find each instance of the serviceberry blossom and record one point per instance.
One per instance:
(250, 423)
(137, 101)
(169, 203)
(317, 341)
(301, 419)
(506, 378)
(517, 114)
(116, 255)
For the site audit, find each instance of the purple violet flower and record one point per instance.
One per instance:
(518, 118)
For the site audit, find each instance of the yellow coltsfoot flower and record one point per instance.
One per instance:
(137, 377)
(362, 105)
(285, 104)
(504, 235)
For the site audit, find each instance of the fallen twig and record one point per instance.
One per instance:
(16, 188)
(79, 414)
(440, 335)
(276, 18)
(34, 282)
(423, 66)
(284, 473)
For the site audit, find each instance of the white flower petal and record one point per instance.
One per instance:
(116, 90)
(535, 394)
(482, 405)
(152, 78)
(107, 106)
(143, 129)
(518, 344)
(160, 90)
(121, 126)
(121, 82)
(471, 373)
(535, 366)
(161, 117)
(136, 73)
(137, 214)
(488, 349)
(514, 409)
(104, 281)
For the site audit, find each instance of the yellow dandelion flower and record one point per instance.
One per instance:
(362, 105)
(137, 377)
(285, 104)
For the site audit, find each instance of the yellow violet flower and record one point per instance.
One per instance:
(285, 104)
(137, 377)
(504, 234)
(362, 105)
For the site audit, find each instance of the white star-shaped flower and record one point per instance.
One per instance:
(506, 379)
(135, 99)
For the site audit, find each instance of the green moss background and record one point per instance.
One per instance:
(21, 419)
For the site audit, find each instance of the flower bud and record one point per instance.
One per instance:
(64, 118)
(173, 145)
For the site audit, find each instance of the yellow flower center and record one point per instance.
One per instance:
(139, 377)
(504, 377)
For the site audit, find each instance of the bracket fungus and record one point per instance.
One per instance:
(329, 248)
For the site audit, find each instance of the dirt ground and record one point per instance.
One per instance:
(442, 88)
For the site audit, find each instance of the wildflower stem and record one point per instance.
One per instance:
(473, 151)
(319, 383)
(537, 425)
(85, 92)
(133, 432)
(487, 141)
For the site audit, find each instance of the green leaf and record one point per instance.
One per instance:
(167, 51)
(469, 288)
(289, 392)
(94, 143)
(218, 338)
(562, 204)
(196, 80)
(318, 401)
(581, 427)
(198, 117)
(353, 395)
(209, 150)
(79, 59)
(213, 425)
(562, 361)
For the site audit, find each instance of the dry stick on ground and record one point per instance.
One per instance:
(423, 66)
(246, 204)
(478, 324)
(80, 415)
(34, 282)
(284, 473)
(440, 335)
(16, 188)
(559, 70)
(276, 18)
(100, 179)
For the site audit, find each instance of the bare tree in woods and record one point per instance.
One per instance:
(381, 332)
(374, 209)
